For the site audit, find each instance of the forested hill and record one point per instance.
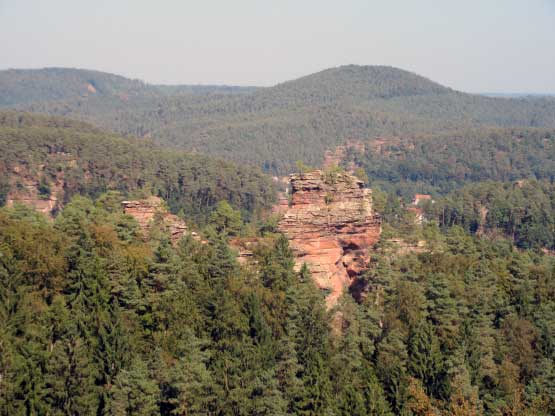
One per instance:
(24, 86)
(271, 127)
(40, 155)
(441, 163)
(49, 84)
(358, 83)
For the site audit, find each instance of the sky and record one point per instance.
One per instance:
(472, 45)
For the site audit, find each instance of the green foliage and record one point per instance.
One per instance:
(225, 219)
(302, 167)
(53, 84)
(443, 161)
(523, 211)
(273, 127)
(98, 321)
(93, 162)
(44, 189)
(361, 174)
(331, 174)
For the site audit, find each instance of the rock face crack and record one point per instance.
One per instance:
(331, 227)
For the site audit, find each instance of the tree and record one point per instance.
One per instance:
(133, 393)
(417, 402)
(225, 219)
(425, 358)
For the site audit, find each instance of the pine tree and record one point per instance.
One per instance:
(391, 366)
(133, 393)
(313, 350)
(425, 358)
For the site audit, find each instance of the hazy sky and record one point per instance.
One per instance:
(471, 45)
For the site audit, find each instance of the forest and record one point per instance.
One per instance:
(99, 321)
(93, 162)
(457, 315)
(523, 211)
(442, 163)
(271, 127)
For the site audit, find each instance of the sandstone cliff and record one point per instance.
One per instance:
(152, 212)
(39, 187)
(331, 227)
(338, 155)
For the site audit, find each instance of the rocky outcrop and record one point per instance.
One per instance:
(37, 186)
(27, 191)
(152, 212)
(282, 184)
(282, 205)
(331, 227)
(339, 154)
(335, 157)
(245, 246)
(400, 247)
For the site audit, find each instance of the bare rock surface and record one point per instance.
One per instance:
(331, 227)
(38, 188)
(152, 211)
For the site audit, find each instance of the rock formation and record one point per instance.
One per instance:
(282, 184)
(27, 192)
(245, 247)
(339, 154)
(396, 247)
(38, 187)
(331, 227)
(152, 212)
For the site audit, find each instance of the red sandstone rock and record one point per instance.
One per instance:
(331, 228)
(282, 205)
(335, 157)
(152, 211)
(25, 184)
(245, 247)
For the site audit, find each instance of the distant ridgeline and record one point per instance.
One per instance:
(273, 127)
(46, 160)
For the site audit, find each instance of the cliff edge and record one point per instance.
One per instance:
(331, 227)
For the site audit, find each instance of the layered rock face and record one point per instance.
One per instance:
(331, 227)
(38, 189)
(335, 157)
(152, 211)
(245, 247)
(27, 192)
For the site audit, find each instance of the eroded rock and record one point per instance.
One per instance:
(38, 187)
(152, 211)
(331, 227)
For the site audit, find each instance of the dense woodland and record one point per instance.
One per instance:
(271, 127)
(523, 211)
(442, 163)
(96, 320)
(93, 162)
(53, 84)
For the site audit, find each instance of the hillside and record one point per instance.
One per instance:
(355, 82)
(47, 160)
(99, 320)
(25, 86)
(118, 308)
(273, 127)
(51, 84)
(442, 162)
